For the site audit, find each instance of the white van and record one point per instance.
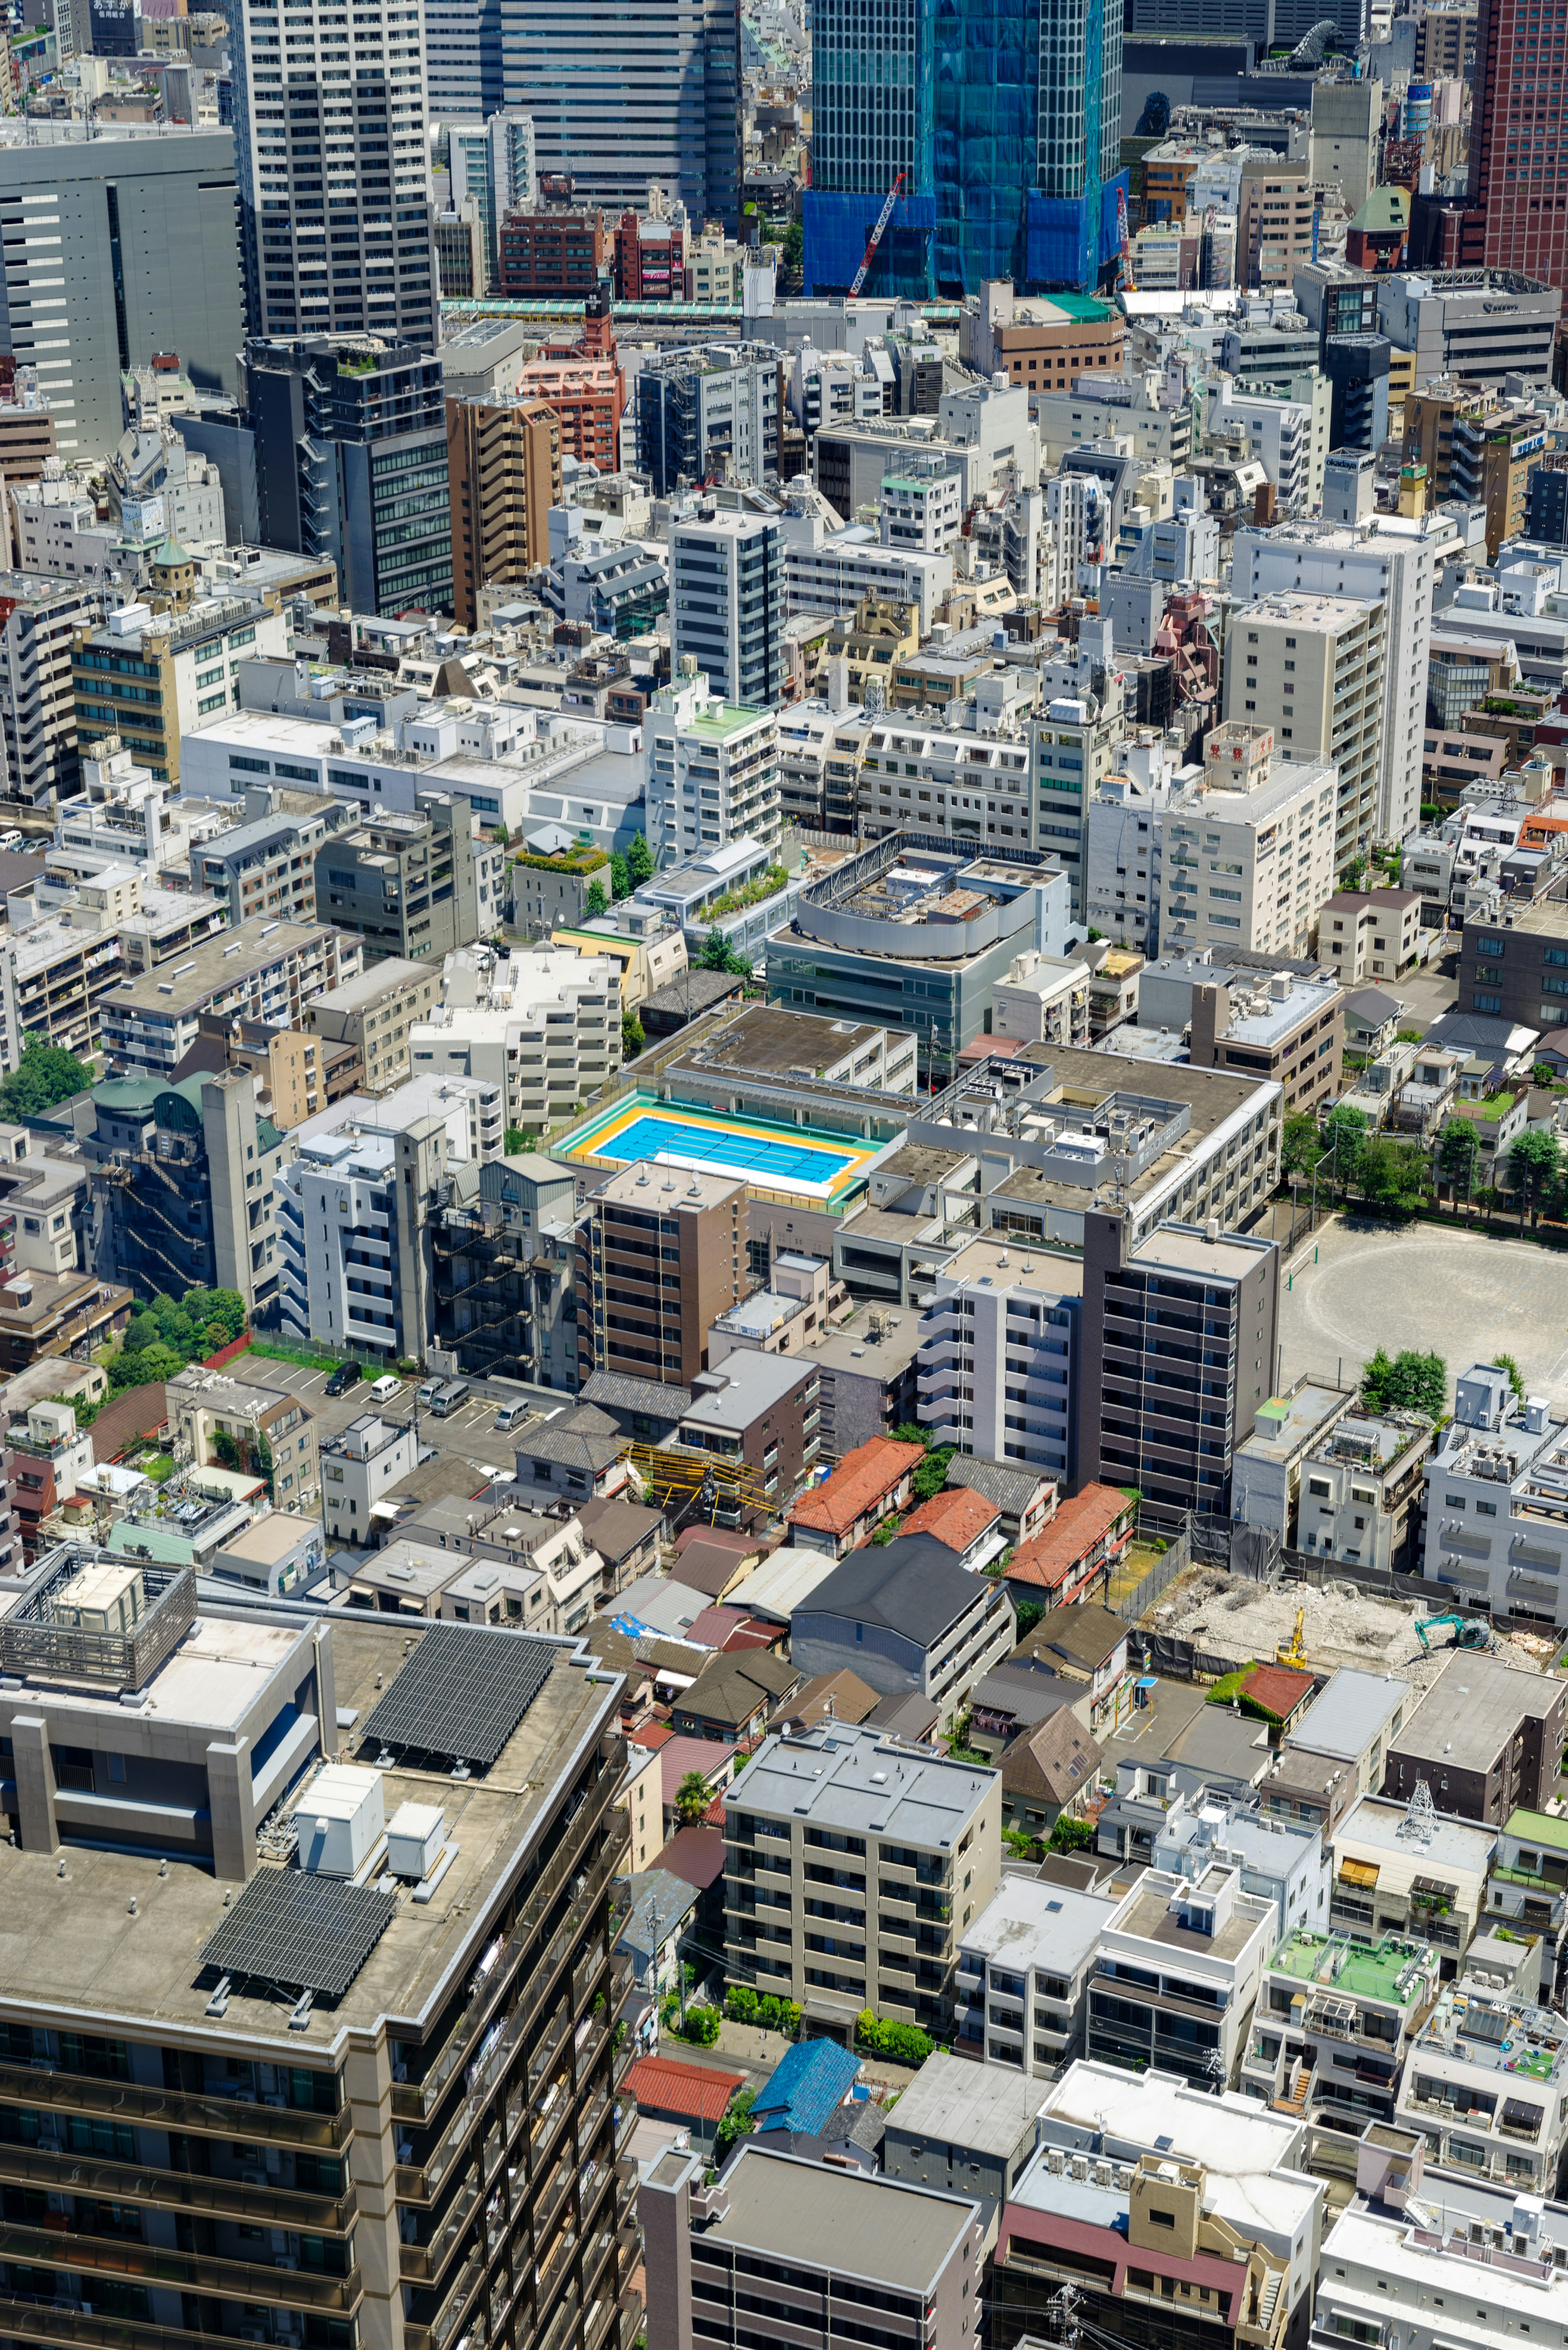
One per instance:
(429, 1389)
(384, 1390)
(509, 1415)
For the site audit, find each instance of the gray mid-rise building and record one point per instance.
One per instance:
(699, 410)
(115, 250)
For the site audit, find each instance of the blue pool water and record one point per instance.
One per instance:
(748, 1154)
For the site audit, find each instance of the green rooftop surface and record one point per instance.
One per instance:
(1538, 1827)
(1083, 307)
(1370, 1970)
(726, 719)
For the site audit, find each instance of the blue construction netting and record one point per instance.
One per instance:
(985, 103)
(1072, 238)
(837, 228)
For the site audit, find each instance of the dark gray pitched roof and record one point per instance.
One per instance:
(1030, 1693)
(1011, 1490)
(620, 1388)
(914, 1586)
(584, 1438)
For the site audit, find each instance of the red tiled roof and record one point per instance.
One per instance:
(1071, 1535)
(862, 1479)
(1278, 1689)
(989, 1048)
(678, 1755)
(652, 1733)
(662, 2085)
(957, 1516)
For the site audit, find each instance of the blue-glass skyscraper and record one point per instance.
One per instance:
(1004, 117)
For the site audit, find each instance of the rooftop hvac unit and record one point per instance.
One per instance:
(341, 1814)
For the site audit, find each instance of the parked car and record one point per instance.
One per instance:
(345, 1377)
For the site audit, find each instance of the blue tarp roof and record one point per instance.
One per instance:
(810, 2080)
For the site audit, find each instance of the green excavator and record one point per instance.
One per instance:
(1468, 1632)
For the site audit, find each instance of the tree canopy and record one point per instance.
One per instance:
(1393, 1175)
(1534, 1163)
(46, 1075)
(718, 954)
(638, 861)
(596, 901)
(1410, 1382)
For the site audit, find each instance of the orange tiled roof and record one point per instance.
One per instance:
(663, 2084)
(958, 1517)
(862, 1479)
(1077, 1526)
(1278, 1689)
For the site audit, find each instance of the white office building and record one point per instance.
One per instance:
(542, 1025)
(358, 1470)
(1391, 560)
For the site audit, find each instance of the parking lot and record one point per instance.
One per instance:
(1461, 1294)
(470, 1433)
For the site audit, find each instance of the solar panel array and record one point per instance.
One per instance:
(288, 1927)
(462, 1692)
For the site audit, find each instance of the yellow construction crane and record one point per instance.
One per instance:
(1294, 1651)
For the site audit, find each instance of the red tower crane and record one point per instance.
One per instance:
(883, 217)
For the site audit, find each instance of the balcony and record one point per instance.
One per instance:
(239, 2116)
(416, 2101)
(62, 2173)
(440, 2332)
(234, 2280)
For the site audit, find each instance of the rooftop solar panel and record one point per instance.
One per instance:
(290, 1927)
(462, 1692)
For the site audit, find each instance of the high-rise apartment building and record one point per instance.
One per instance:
(1167, 1414)
(462, 59)
(654, 100)
(1006, 125)
(530, 1828)
(1387, 559)
(699, 410)
(998, 1361)
(503, 474)
(493, 161)
(38, 714)
(351, 464)
(1310, 668)
(726, 601)
(662, 1253)
(115, 250)
(336, 228)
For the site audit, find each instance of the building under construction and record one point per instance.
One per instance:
(182, 1186)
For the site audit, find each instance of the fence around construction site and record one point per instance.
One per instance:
(1254, 1556)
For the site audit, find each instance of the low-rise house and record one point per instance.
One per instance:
(236, 1422)
(963, 1521)
(1310, 1788)
(277, 1555)
(1335, 2018)
(1076, 1552)
(626, 1536)
(580, 1453)
(1265, 1479)
(44, 1314)
(734, 1696)
(658, 1908)
(696, 2097)
(1353, 1723)
(869, 1485)
(1370, 934)
(1398, 1871)
(1372, 1018)
(1362, 1490)
(358, 1470)
(1088, 1645)
(1025, 1498)
(1486, 2084)
(1047, 1772)
(905, 1615)
(1177, 1974)
(1015, 1698)
(1024, 1975)
(962, 2126)
(1428, 1096)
